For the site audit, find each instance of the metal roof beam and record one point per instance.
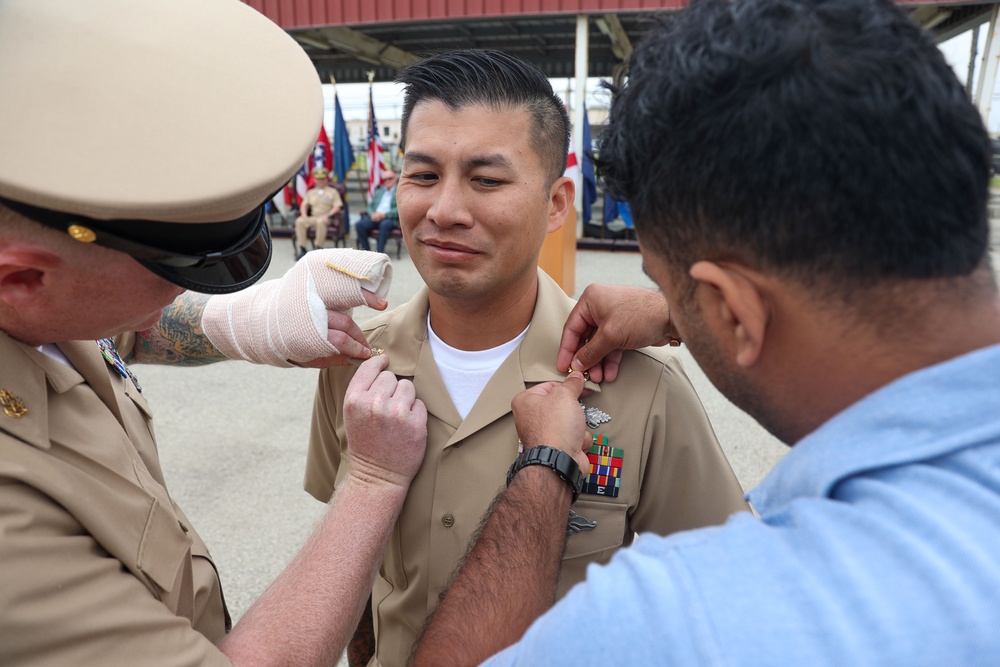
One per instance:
(612, 26)
(361, 46)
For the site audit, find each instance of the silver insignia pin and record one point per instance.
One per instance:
(578, 523)
(594, 416)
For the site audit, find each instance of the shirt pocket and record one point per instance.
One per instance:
(606, 536)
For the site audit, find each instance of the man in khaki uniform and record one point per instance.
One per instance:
(98, 565)
(475, 206)
(318, 209)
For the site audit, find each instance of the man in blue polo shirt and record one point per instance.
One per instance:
(812, 203)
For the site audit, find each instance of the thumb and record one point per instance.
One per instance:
(591, 353)
(574, 384)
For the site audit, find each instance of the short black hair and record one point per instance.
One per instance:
(497, 80)
(824, 139)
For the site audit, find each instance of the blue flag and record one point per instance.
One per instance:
(343, 153)
(610, 208)
(589, 179)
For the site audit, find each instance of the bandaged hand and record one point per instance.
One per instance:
(303, 318)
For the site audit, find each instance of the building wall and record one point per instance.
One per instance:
(308, 13)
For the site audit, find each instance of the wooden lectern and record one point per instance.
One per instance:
(558, 256)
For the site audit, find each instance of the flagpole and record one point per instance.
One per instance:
(371, 103)
(375, 150)
(333, 83)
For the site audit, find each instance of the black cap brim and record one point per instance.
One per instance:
(214, 258)
(228, 273)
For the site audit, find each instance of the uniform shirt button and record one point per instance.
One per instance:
(448, 520)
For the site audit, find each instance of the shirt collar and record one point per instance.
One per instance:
(537, 352)
(932, 412)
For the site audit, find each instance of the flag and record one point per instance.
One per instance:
(572, 167)
(302, 177)
(610, 208)
(589, 179)
(584, 176)
(375, 149)
(296, 189)
(343, 153)
(322, 155)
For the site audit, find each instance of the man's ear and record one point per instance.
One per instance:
(561, 196)
(23, 272)
(732, 295)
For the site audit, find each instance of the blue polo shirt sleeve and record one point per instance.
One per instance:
(642, 607)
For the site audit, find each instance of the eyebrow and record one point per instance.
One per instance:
(490, 160)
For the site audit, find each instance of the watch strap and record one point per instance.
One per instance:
(560, 462)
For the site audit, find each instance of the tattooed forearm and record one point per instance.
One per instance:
(361, 648)
(177, 338)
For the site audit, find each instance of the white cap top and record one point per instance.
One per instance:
(161, 110)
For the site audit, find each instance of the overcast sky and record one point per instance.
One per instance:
(389, 99)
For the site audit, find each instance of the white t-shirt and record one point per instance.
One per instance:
(53, 351)
(465, 373)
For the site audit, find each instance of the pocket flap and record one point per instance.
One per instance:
(164, 548)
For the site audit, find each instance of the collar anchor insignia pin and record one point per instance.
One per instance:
(12, 405)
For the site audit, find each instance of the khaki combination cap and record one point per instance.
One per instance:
(155, 127)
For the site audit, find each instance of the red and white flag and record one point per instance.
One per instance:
(322, 155)
(376, 166)
(572, 168)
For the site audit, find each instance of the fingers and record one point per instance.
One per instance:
(367, 373)
(386, 425)
(345, 335)
(550, 414)
(607, 369)
(593, 351)
(374, 300)
(578, 328)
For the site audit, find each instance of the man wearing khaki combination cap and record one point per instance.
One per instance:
(98, 565)
(319, 207)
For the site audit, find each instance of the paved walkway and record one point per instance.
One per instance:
(233, 439)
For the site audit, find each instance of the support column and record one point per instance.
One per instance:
(988, 72)
(579, 98)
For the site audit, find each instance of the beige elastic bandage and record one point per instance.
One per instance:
(285, 320)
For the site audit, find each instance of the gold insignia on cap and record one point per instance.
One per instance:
(82, 234)
(12, 405)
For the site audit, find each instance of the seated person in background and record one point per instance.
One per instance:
(475, 206)
(321, 204)
(381, 212)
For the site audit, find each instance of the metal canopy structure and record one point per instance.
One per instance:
(547, 41)
(347, 39)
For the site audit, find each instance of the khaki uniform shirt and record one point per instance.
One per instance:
(320, 201)
(674, 475)
(98, 566)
